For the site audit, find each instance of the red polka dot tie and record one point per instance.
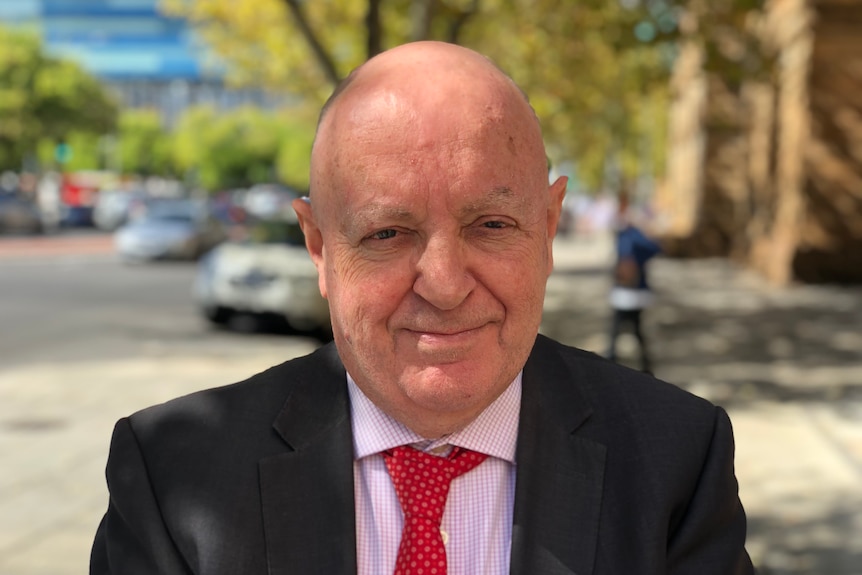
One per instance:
(422, 483)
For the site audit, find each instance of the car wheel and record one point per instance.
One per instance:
(244, 323)
(217, 315)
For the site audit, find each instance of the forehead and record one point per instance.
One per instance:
(470, 164)
(389, 130)
(447, 133)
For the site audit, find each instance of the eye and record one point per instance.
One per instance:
(494, 224)
(383, 235)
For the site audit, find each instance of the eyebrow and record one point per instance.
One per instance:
(499, 197)
(359, 220)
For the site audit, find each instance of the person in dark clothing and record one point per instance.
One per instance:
(631, 293)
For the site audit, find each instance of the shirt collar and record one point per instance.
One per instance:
(494, 432)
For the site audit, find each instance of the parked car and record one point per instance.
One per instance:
(113, 208)
(168, 229)
(267, 275)
(19, 215)
(269, 201)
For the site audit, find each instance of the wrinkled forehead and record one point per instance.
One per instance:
(425, 115)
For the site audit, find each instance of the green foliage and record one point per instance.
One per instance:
(599, 90)
(242, 147)
(144, 147)
(264, 43)
(726, 31)
(294, 154)
(44, 98)
(86, 151)
(596, 70)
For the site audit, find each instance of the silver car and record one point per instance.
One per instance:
(168, 229)
(267, 275)
(114, 207)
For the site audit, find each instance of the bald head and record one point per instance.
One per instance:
(417, 56)
(431, 225)
(419, 95)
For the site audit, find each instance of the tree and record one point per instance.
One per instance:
(595, 70)
(144, 146)
(224, 150)
(44, 98)
(597, 83)
(770, 94)
(294, 151)
(308, 47)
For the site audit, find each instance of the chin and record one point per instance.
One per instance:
(451, 387)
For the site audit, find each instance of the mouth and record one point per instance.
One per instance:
(445, 336)
(443, 332)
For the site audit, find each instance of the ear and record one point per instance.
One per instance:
(313, 238)
(556, 193)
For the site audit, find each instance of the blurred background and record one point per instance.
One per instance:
(150, 149)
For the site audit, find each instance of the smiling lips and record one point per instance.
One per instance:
(448, 338)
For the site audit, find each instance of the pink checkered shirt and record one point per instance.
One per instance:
(477, 521)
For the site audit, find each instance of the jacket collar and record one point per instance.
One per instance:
(307, 492)
(558, 489)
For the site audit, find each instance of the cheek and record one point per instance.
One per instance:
(362, 293)
(519, 284)
(522, 264)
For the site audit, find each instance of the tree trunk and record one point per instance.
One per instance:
(771, 172)
(830, 247)
(375, 32)
(327, 65)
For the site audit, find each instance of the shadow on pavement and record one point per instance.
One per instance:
(787, 362)
(713, 324)
(810, 545)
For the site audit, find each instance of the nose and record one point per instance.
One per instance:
(443, 278)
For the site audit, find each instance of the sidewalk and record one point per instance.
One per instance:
(785, 363)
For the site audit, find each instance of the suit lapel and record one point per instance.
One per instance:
(307, 492)
(559, 474)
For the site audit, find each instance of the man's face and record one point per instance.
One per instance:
(434, 251)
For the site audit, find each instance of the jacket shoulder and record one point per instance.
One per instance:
(620, 406)
(256, 399)
(610, 384)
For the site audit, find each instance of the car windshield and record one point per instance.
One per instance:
(170, 217)
(172, 211)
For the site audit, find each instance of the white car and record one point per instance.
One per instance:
(268, 275)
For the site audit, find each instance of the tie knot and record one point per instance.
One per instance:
(422, 480)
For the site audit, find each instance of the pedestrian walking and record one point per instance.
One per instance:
(631, 293)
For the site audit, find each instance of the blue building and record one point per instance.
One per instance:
(147, 58)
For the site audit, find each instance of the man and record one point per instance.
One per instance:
(431, 223)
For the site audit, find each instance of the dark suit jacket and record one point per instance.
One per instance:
(617, 473)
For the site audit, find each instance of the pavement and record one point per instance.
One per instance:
(786, 364)
(26, 247)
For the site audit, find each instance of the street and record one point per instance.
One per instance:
(87, 340)
(58, 306)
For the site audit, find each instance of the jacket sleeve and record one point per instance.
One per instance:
(709, 537)
(132, 538)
